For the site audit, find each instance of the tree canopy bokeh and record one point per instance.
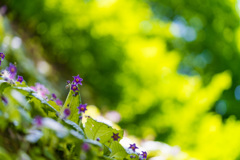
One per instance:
(170, 68)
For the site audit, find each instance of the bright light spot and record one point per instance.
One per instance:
(60, 130)
(16, 42)
(105, 3)
(238, 7)
(113, 116)
(43, 67)
(150, 51)
(146, 26)
(179, 29)
(175, 29)
(19, 97)
(190, 34)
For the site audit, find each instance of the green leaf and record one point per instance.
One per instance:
(73, 102)
(27, 91)
(74, 125)
(24, 90)
(106, 158)
(118, 152)
(96, 143)
(3, 85)
(47, 106)
(76, 134)
(54, 105)
(94, 130)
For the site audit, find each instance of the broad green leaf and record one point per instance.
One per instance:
(94, 130)
(74, 125)
(106, 158)
(54, 105)
(96, 143)
(118, 152)
(24, 90)
(73, 102)
(47, 106)
(30, 93)
(136, 157)
(76, 134)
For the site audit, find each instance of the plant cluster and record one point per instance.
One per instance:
(35, 124)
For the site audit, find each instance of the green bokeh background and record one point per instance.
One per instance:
(170, 68)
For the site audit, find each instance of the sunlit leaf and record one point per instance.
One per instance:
(118, 152)
(74, 125)
(94, 130)
(72, 102)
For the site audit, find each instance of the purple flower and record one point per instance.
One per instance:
(74, 87)
(144, 154)
(4, 99)
(66, 113)
(68, 82)
(133, 147)
(77, 80)
(98, 139)
(20, 79)
(132, 156)
(3, 10)
(12, 70)
(85, 147)
(54, 96)
(38, 121)
(2, 55)
(82, 108)
(59, 102)
(115, 137)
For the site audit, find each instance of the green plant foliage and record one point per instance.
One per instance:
(118, 152)
(52, 136)
(94, 130)
(72, 102)
(170, 68)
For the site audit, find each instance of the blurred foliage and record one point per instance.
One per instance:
(169, 67)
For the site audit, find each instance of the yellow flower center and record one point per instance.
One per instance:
(12, 69)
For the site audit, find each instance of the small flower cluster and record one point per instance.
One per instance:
(44, 93)
(67, 111)
(74, 87)
(41, 90)
(58, 101)
(2, 56)
(133, 147)
(10, 72)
